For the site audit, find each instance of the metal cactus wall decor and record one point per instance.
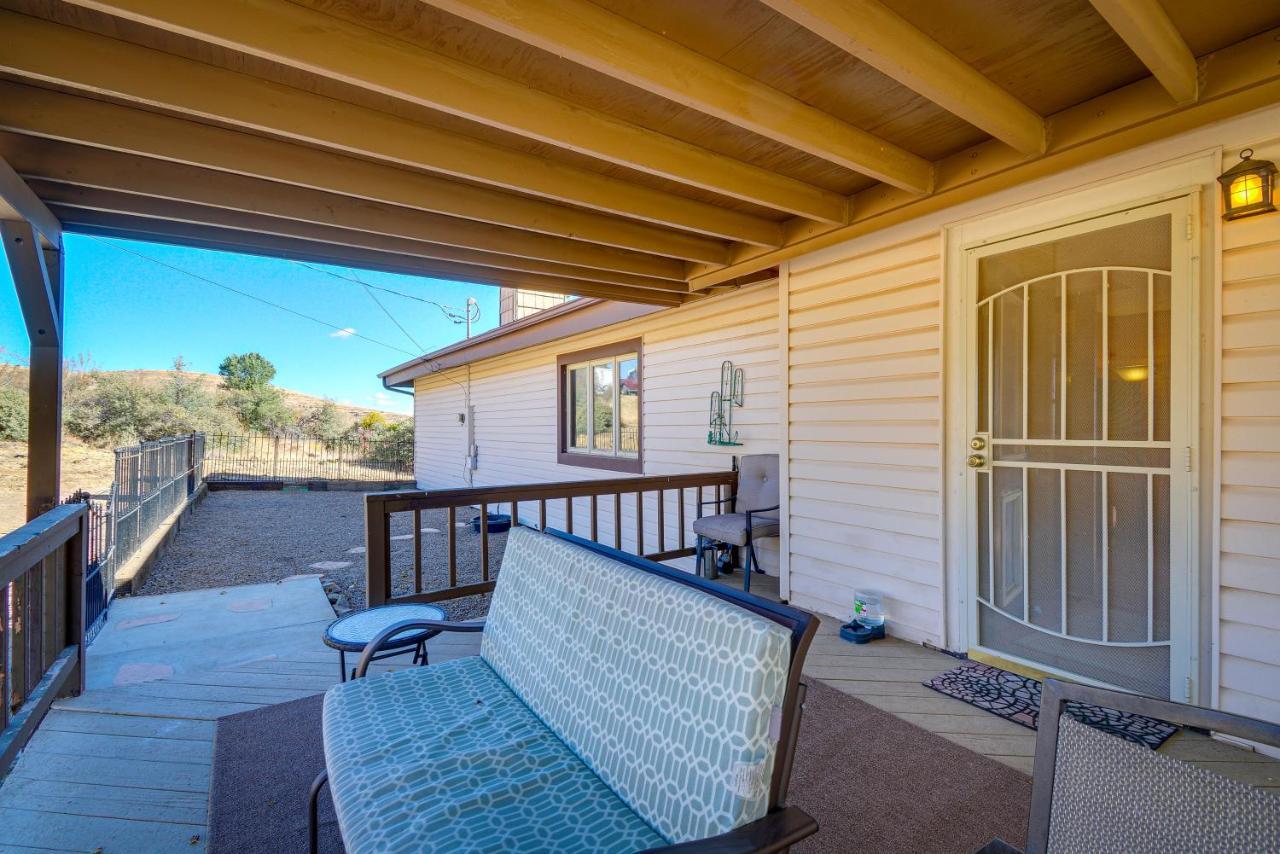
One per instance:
(721, 430)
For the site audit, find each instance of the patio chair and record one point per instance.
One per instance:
(754, 515)
(1096, 792)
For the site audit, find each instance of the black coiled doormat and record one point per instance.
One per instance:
(1017, 698)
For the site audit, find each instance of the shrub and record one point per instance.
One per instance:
(13, 414)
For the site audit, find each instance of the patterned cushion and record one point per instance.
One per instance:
(1112, 795)
(446, 758)
(666, 692)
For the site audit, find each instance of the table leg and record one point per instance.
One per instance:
(342, 664)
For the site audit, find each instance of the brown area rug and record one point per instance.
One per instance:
(873, 781)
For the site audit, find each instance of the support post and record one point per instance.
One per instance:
(377, 552)
(37, 276)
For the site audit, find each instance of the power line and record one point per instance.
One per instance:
(368, 289)
(346, 330)
(453, 313)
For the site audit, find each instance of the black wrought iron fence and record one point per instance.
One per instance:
(300, 459)
(152, 480)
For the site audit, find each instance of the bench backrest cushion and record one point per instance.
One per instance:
(670, 695)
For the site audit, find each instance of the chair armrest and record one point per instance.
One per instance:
(761, 510)
(380, 642)
(718, 501)
(775, 832)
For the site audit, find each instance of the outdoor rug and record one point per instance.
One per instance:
(1017, 698)
(873, 781)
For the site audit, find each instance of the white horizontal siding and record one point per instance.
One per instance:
(514, 397)
(1249, 605)
(865, 433)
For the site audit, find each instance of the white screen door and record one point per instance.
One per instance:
(1079, 429)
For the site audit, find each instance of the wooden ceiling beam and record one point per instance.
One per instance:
(19, 204)
(61, 196)
(1146, 28)
(35, 49)
(608, 43)
(302, 38)
(56, 115)
(883, 39)
(87, 221)
(1239, 78)
(87, 167)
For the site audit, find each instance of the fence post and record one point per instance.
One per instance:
(77, 562)
(275, 456)
(377, 553)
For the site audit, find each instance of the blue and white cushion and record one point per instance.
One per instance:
(447, 759)
(670, 695)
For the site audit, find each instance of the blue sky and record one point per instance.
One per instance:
(126, 312)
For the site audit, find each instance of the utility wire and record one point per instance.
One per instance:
(253, 297)
(368, 289)
(452, 312)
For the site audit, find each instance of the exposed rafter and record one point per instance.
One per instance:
(880, 37)
(19, 204)
(63, 196)
(82, 166)
(43, 112)
(233, 240)
(310, 40)
(603, 41)
(1147, 30)
(39, 50)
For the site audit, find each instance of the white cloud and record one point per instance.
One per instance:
(343, 333)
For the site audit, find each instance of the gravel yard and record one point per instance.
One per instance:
(256, 537)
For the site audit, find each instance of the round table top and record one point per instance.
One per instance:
(352, 632)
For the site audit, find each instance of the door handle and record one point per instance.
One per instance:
(976, 461)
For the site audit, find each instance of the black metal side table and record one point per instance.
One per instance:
(354, 631)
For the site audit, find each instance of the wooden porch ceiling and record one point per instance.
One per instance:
(642, 150)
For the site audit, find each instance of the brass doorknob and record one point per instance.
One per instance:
(977, 443)
(976, 461)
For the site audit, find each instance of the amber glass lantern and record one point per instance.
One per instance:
(1248, 187)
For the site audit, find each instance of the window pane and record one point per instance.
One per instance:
(628, 405)
(579, 412)
(602, 379)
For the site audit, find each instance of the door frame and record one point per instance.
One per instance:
(1181, 181)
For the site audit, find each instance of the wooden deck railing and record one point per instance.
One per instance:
(595, 509)
(42, 568)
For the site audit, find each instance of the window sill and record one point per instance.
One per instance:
(630, 465)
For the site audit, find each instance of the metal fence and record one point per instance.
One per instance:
(152, 480)
(298, 459)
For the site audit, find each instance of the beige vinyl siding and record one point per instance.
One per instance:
(514, 397)
(865, 431)
(1249, 639)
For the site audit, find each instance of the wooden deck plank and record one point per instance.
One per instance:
(254, 679)
(66, 720)
(984, 724)
(145, 706)
(89, 833)
(127, 773)
(166, 690)
(923, 705)
(121, 746)
(107, 801)
(995, 745)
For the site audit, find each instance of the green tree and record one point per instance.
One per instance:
(324, 422)
(246, 371)
(111, 409)
(372, 422)
(13, 414)
(262, 409)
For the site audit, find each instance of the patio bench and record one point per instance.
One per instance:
(616, 705)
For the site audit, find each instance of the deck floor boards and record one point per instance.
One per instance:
(127, 768)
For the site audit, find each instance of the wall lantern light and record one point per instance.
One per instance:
(1248, 187)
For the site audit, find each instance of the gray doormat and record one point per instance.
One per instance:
(1017, 698)
(873, 781)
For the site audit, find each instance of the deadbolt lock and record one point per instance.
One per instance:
(977, 443)
(977, 461)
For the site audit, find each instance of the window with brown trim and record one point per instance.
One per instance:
(598, 411)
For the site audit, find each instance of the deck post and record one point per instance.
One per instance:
(377, 533)
(37, 277)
